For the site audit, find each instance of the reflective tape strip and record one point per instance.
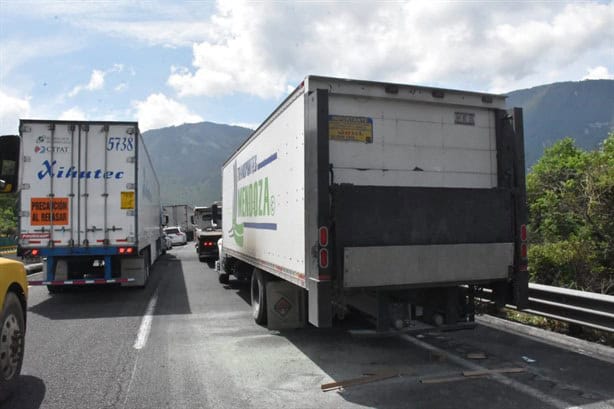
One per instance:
(82, 282)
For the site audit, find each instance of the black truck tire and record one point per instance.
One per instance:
(146, 267)
(258, 291)
(12, 342)
(54, 289)
(223, 278)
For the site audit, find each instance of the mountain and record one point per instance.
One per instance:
(583, 110)
(188, 158)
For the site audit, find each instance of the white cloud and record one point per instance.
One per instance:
(97, 80)
(153, 23)
(158, 111)
(11, 110)
(73, 114)
(599, 73)
(262, 48)
(247, 125)
(15, 52)
(96, 83)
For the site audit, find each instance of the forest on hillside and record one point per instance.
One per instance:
(570, 195)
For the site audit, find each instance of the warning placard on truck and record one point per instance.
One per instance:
(45, 211)
(350, 128)
(127, 200)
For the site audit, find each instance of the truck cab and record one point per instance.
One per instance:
(13, 283)
(208, 230)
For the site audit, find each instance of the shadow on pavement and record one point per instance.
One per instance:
(112, 301)
(241, 288)
(29, 393)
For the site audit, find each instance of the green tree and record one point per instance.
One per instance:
(570, 194)
(8, 215)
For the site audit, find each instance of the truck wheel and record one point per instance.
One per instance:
(259, 296)
(223, 278)
(54, 289)
(147, 267)
(12, 336)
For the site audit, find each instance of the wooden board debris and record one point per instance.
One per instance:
(359, 381)
(471, 375)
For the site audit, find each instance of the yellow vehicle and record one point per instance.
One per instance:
(13, 283)
(13, 296)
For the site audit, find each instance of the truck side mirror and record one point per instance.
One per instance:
(165, 220)
(9, 163)
(214, 212)
(192, 219)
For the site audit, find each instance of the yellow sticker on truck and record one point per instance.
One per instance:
(350, 128)
(127, 200)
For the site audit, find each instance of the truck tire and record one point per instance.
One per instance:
(258, 291)
(223, 278)
(147, 267)
(54, 289)
(12, 337)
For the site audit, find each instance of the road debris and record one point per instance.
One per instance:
(528, 360)
(476, 355)
(359, 381)
(470, 375)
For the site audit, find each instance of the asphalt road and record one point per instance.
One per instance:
(188, 342)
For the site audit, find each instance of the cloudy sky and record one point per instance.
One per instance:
(168, 63)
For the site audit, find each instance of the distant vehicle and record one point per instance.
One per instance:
(208, 222)
(90, 203)
(179, 215)
(13, 283)
(177, 236)
(396, 200)
(168, 242)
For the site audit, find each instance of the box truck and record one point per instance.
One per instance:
(89, 202)
(396, 200)
(179, 215)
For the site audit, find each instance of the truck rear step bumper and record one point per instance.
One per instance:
(82, 281)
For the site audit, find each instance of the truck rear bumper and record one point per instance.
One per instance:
(82, 282)
(379, 266)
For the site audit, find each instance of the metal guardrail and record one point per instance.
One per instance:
(576, 307)
(582, 308)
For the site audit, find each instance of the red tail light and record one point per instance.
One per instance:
(523, 232)
(34, 252)
(323, 258)
(323, 233)
(122, 250)
(523, 250)
(125, 250)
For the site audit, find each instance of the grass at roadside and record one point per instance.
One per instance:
(588, 334)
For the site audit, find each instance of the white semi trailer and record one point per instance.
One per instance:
(179, 215)
(90, 202)
(396, 200)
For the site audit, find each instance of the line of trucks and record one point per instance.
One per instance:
(395, 200)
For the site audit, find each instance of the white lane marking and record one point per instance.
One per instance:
(549, 400)
(145, 328)
(136, 361)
